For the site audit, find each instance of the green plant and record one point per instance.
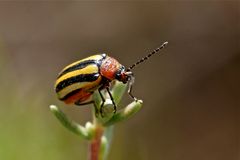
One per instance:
(99, 131)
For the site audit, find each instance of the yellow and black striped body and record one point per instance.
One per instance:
(78, 81)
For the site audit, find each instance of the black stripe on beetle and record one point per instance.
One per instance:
(80, 65)
(76, 79)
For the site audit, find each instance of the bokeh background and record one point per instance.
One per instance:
(190, 92)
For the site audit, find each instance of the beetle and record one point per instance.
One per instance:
(77, 82)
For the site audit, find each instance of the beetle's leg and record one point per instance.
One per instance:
(130, 84)
(111, 97)
(130, 92)
(103, 101)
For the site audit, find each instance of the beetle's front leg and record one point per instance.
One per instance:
(130, 90)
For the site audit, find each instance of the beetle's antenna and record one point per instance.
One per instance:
(147, 56)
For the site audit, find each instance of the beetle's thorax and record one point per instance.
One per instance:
(109, 68)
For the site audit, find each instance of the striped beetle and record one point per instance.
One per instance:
(76, 83)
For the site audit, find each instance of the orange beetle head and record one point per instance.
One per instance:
(109, 68)
(112, 69)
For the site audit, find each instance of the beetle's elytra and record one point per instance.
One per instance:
(77, 82)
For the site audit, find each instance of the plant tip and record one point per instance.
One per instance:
(53, 107)
(140, 101)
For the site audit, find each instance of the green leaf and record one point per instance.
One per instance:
(69, 124)
(125, 113)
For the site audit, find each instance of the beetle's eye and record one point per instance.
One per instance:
(118, 75)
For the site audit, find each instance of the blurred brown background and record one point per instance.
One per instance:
(191, 92)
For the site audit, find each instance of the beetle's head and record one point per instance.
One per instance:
(112, 69)
(124, 75)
